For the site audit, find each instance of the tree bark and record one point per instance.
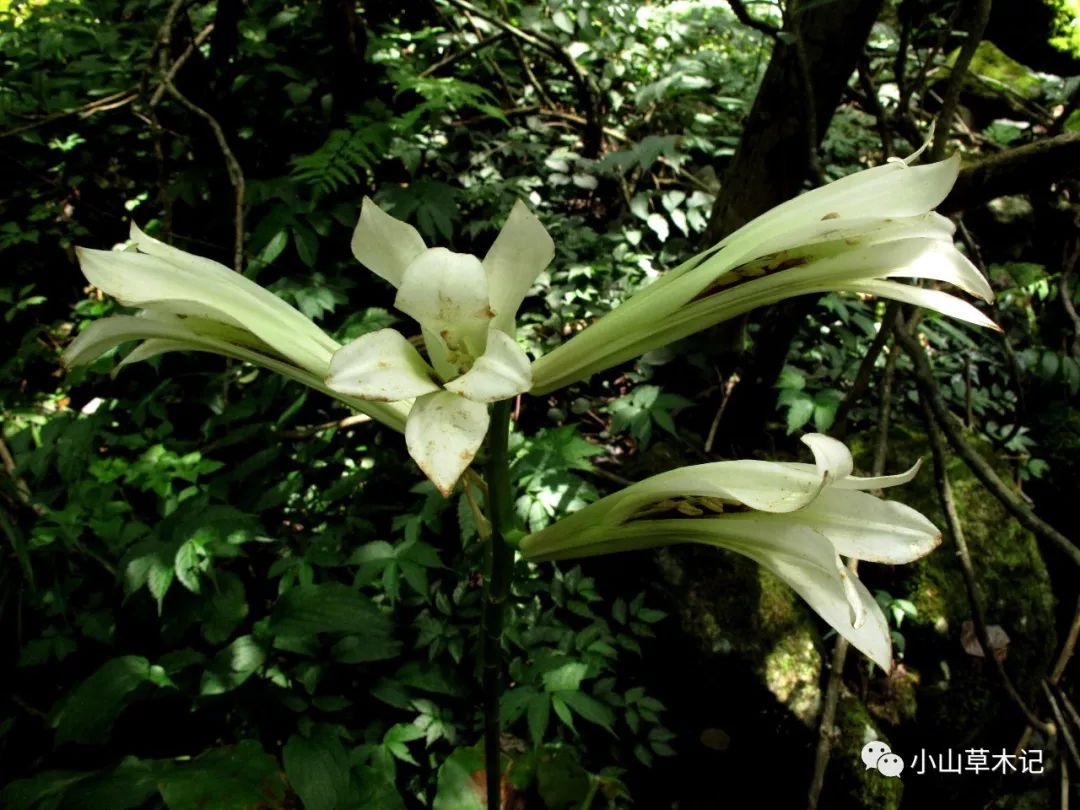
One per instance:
(803, 84)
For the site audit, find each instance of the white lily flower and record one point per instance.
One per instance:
(854, 235)
(192, 303)
(466, 309)
(793, 519)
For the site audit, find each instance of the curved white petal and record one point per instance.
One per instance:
(879, 481)
(521, 251)
(383, 244)
(502, 372)
(930, 299)
(892, 191)
(447, 293)
(381, 366)
(943, 262)
(443, 433)
(210, 290)
(832, 458)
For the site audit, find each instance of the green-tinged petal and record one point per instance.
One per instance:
(447, 293)
(381, 366)
(942, 262)
(502, 372)
(383, 244)
(872, 482)
(891, 191)
(858, 525)
(521, 251)
(206, 289)
(163, 332)
(805, 559)
(443, 434)
(930, 299)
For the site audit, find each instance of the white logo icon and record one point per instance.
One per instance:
(879, 756)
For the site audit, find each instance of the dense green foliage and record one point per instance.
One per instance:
(220, 590)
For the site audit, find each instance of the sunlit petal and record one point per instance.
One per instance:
(443, 434)
(447, 293)
(521, 251)
(381, 366)
(383, 244)
(502, 372)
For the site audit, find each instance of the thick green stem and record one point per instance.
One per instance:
(499, 571)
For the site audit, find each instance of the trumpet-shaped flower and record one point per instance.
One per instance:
(465, 308)
(793, 519)
(191, 303)
(855, 234)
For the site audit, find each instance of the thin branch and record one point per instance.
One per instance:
(454, 58)
(1015, 171)
(840, 649)
(1065, 291)
(963, 554)
(1063, 659)
(866, 368)
(109, 102)
(181, 60)
(310, 430)
(982, 469)
(588, 92)
(1070, 741)
(743, 16)
(980, 15)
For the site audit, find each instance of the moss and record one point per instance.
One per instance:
(960, 696)
(736, 608)
(850, 782)
(993, 72)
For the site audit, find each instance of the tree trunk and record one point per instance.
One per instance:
(803, 84)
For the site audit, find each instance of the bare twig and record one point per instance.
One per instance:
(1015, 171)
(181, 60)
(109, 102)
(9, 467)
(1065, 291)
(980, 15)
(1010, 499)
(1070, 741)
(311, 430)
(866, 368)
(743, 16)
(587, 91)
(971, 584)
(454, 58)
(835, 683)
(1063, 659)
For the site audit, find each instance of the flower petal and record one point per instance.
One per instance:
(936, 300)
(447, 293)
(381, 366)
(521, 251)
(831, 457)
(383, 244)
(204, 288)
(502, 372)
(443, 433)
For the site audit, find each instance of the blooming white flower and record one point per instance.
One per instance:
(854, 235)
(793, 519)
(191, 303)
(466, 309)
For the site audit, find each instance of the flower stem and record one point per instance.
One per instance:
(497, 576)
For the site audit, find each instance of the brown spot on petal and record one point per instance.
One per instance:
(831, 215)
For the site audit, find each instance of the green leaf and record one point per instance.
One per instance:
(274, 247)
(799, 413)
(95, 704)
(317, 767)
(566, 677)
(590, 708)
(462, 781)
(329, 608)
(307, 244)
(563, 784)
(233, 665)
(238, 777)
(538, 714)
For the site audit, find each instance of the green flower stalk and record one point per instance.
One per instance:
(793, 519)
(195, 304)
(855, 235)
